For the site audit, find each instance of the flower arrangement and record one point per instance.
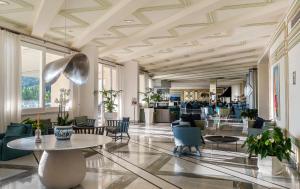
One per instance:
(270, 143)
(62, 101)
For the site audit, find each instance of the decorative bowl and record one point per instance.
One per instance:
(63, 132)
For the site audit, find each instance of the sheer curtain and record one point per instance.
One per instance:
(10, 76)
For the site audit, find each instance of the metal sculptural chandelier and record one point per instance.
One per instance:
(75, 67)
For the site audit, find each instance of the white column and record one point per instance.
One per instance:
(235, 91)
(130, 86)
(87, 99)
(263, 88)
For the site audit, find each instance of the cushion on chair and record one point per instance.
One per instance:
(259, 122)
(111, 129)
(81, 121)
(15, 131)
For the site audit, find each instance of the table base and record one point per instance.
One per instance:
(62, 168)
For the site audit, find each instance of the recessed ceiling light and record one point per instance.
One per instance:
(3, 3)
(128, 21)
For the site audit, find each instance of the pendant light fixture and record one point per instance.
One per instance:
(75, 66)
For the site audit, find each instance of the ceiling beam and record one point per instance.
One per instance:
(211, 65)
(253, 54)
(200, 69)
(112, 17)
(44, 16)
(208, 75)
(209, 53)
(201, 72)
(229, 24)
(228, 77)
(204, 6)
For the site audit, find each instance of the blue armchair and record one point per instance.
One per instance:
(186, 136)
(13, 131)
(117, 128)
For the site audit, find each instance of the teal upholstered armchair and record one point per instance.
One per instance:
(186, 136)
(13, 131)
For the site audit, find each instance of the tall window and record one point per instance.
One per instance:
(53, 91)
(32, 60)
(36, 93)
(107, 80)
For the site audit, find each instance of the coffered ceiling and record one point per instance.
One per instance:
(172, 39)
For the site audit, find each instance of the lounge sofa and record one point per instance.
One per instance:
(13, 131)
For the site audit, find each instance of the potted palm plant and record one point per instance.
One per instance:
(271, 147)
(249, 116)
(109, 97)
(148, 111)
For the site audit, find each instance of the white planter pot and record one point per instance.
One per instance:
(110, 115)
(251, 123)
(148, 115)
(269, 165)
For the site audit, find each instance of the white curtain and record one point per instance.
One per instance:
(10, 75)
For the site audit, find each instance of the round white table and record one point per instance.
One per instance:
(62, 164)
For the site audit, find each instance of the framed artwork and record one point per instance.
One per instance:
(276, 91)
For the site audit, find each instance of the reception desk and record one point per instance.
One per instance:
(162, 115)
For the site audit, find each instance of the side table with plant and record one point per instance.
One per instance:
(271, 147)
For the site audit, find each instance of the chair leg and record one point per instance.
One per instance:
(198, 150)
(190, 149)
(115, 137)
(202, 139)
(175, 149)
(106, 133)
(128, 135)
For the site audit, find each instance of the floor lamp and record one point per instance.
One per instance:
(134, 103)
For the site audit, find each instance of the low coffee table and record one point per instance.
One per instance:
(222, 139)
(62, 164)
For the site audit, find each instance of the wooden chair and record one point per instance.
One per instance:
(89, 130)
(117, 128)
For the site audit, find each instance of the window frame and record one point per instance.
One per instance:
(42, 108)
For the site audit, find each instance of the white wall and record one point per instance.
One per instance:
(88, 101)
(294, 91)
(130, 86)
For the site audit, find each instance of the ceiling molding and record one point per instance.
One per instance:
(210, 60)
(110, 18)
(200, 71)
(230, 23)
(204, 6)
(45, 13)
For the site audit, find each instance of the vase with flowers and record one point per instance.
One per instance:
(63, 130)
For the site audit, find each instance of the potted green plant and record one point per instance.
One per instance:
(148, 111)
(34, 125)
(109, 97)
(249, 116)
(156, 97)
(271, 147)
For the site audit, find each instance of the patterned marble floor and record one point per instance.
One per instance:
(147, 161)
